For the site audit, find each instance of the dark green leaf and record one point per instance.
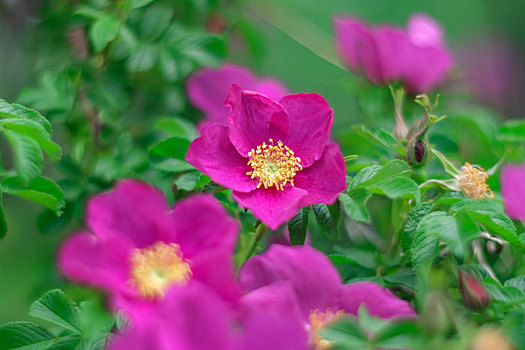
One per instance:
(173, 147)
(328, 219)
(414, 217)
(24, 336)
(297, 226)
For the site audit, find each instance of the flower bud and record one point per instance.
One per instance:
(418, 152)
(473, 294)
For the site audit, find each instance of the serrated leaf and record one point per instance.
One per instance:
(28, 156)
(354, 204)
(443, 226)
(40, 190)
(173, 147)
(35, 131)
(424, 247)
(14, 110)
(56, 308)
(103, 32)
(490, 214)
(393, 168)
(68, 342)
(414, 217)
(24, 336)
(328, 218)
(297, 226)
(516, 282)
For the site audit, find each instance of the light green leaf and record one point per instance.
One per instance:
(188, 181)
(28, 156)
(37, 132)
(397, 187)
(56, 308)
(40, 190)
(103, 32)
(354, 204)
(143, 58)
(173, 147)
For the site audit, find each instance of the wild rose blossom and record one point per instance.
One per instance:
(417, 57)
(194, 318)
(513, 190)
(137, 248)
(275, 156)
(317, 288)
(208, 88)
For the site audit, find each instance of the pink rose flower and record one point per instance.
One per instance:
(194, 318)
(137, 248)
(513, 190)
(417, 57)
(275, 156)
(207, 89)
(314, 284)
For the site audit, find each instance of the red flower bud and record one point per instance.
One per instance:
(474, 295)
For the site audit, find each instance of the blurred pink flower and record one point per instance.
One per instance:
(302, 281)
(513, 190)
(208, 88)
(417, 57)
(194, 318)
(276, 157)
(139, 248)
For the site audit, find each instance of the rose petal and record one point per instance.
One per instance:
(102, 263)
(312, 276)
(513, 190)
(325, 179)
(311, 119)
(425, 31)
(272, 206)
(133, 211)
(215, 155)
(202, 224)
(254, 119)
(378, 300)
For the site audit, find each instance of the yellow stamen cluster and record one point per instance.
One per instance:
(273, 165)
(318, 320)
(155, 268)
(473, 182)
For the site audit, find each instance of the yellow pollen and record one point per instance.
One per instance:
(318, 320)
(473, 182)
(273, 165)
(157, 267)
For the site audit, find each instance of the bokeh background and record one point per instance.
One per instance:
(276, 38)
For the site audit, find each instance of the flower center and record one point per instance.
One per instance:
(155, 268)
(318, 320)
(273, 165)
(472, 180)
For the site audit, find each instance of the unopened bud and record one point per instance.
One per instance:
(473, 294)
(418, 152)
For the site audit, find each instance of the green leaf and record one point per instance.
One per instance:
(143, 58)
(155, 21)
(56, 308)
(40, 190)
(67, 343)
(297, 226)
(354, 204)
(512, 131)
(172, 126)
(393, 168)
(14, 110)
(516, 282)
(397, 187)
(173, 147)
(328, 219)
(204, 49)
(135, 4)
(490, 214)
(37, 132)
(28, 156)
(188, 181)
(103, 32)
(24, 336)
(414, 217)
(345, 334)
(424, 247)
(443, 226)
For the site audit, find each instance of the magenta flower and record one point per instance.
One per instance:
(208, 88)
(276, 157)
(513, 190)
(417, 57)
(194, 318)
(321, 297)
(138, 247)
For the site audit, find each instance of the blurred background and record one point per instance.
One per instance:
(46, 62)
